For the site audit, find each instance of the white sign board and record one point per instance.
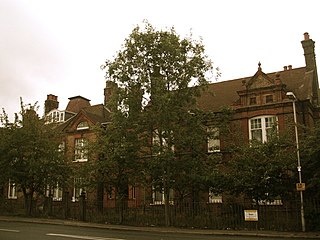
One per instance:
(251, 215)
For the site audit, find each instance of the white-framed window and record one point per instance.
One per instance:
(54, 191)
(77, 189)
(61, 147)
(12, 190)
(213, 197)
(132, 192)
(159, 140)
(57, 193)
(80, 150)
(261, 128)
(158, 197)
(213, 140)
(276, 202)
(83, 125)
(55, 116)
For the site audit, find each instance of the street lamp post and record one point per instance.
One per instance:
(294, 99)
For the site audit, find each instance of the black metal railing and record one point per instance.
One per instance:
(226, 215)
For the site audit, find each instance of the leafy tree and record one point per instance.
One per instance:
(31, 152)
(263, 171)
(4, 131)
(216, 179)
(160, 75)
(310, 154)
(117, 147)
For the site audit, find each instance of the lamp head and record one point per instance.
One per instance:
(291, 95)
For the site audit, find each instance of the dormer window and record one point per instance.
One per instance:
(55, 116)
(269, 98)
(83, 125)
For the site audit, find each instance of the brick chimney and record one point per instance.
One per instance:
(51, 103)
(309, 54)
(311, 65)
(109, 90)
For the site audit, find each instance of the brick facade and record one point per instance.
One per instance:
(262, 94)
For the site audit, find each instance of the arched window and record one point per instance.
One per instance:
(83, 125)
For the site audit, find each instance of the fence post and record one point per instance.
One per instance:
(83, 207)
(66, 204)
(49, 202)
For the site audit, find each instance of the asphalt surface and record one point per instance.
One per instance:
(307, 235)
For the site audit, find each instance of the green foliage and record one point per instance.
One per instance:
(310, 155)
(162, 58)
(4, 146)
(263, 171)
(159, 76)
(117, 147)
(30, 153)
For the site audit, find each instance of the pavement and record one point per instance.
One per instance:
(266, 234)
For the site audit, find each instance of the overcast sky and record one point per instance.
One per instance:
(57, 46)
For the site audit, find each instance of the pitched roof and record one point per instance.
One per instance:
(96, 114)
(77, 103)
(222, 94)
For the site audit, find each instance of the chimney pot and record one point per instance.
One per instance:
(309, 53)
(110, 89)
(52, 97)
(285, 68)
(290, 67)
(51, 103)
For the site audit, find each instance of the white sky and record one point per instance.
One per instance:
(57, 46)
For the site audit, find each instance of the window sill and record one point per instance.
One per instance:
(12, 198)
(80, 160)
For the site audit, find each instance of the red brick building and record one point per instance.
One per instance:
(259, 101)
(265, 100)
(77, 123)
(264, 95)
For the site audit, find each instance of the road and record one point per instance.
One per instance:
(38, 231)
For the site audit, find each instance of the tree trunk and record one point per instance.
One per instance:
(122, 197)
(100, 196)
(166, 205)
(28, 200)
(83, 206)
(66, 204)
(121, 210)
(119, 207)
